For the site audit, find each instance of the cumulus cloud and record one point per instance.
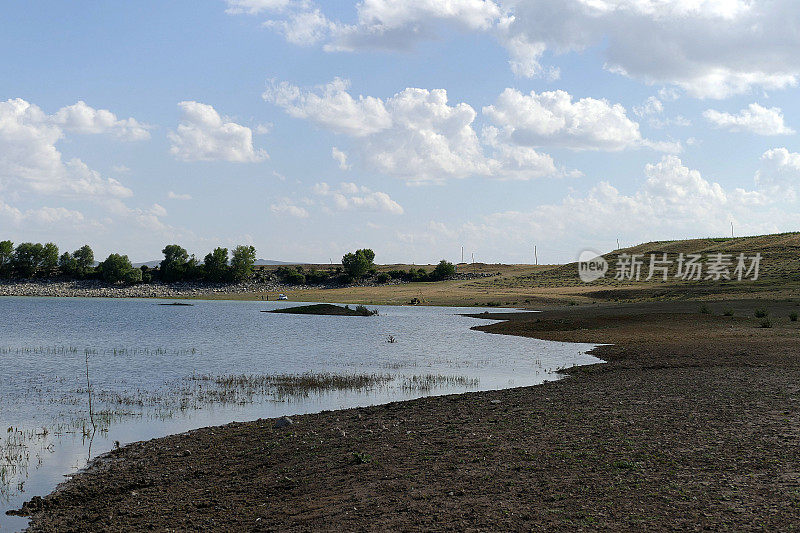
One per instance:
(416, 135)
(286, 208)
(340, 157)
(203, 135)
(400, 25)
(41, 218)
(672, 201)
(708, 48)
(81, 118)
(332, 107)
(254, 7)
(350, 196)
(779, 174)
(177, 196)
(554, 119)
(754, 119)
(30, 161)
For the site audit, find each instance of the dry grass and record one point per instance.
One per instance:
(529, 286)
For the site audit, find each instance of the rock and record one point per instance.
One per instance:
(283, 422)
(495, 402)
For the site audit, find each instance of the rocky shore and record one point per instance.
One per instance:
(690, 425)
(99, 289)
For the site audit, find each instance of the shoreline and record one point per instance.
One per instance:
(689, 423)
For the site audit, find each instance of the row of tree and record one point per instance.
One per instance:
(29, 260)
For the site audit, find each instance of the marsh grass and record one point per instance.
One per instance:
(429, 382)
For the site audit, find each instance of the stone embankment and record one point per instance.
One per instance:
(99, 289)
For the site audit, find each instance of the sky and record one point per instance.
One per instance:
(414, 127)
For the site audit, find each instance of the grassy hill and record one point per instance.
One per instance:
(779, 269)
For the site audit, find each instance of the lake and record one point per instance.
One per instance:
(149, 370)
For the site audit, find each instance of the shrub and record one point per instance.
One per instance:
(443, 270)
(793, 316)
(317, 276)
(705, 310)
(290, 276)
(383, 277)
(358, 263)
(116, 267)
(134, 275)
(363, 311)
(728, 312)
(765, 323)
(760, 312)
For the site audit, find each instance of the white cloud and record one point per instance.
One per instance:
(340, 157)
(400, 25)
(673, 201)
(177, 196)
(254, 7)
(81, 118)
(332, 108)
(415, 135)
(554, 119)
(41, 218)
(779, 174)
(30, 161)
(304, 28)
(754, 119)
(651, 106)
(708, 48)
(203, 135)
(350, 196)
(286, 207)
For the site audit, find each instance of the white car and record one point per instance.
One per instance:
(282, 297)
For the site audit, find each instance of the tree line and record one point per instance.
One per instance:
(35, 260)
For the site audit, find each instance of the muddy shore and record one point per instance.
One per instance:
(692, 423)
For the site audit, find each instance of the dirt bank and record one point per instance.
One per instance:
(693, 423)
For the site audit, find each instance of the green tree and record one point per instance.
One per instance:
(6, 257)
(49, 260)
(173, 267)
(358, 263)
(244, 257)
(117, 268)
(215, 265)
(68, 264)
(134, 275)
(27, 258)
(84, 256)
(443, 270)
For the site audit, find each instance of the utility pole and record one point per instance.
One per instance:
(731, 229)
(462, 254)
(535, 255)
(617, 244)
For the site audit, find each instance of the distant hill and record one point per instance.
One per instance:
(157, 262)
(780, 262)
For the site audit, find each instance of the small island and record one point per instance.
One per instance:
(326, 309)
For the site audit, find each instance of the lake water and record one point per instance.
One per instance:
(151, 370)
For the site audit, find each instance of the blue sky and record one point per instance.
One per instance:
(412, 127)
